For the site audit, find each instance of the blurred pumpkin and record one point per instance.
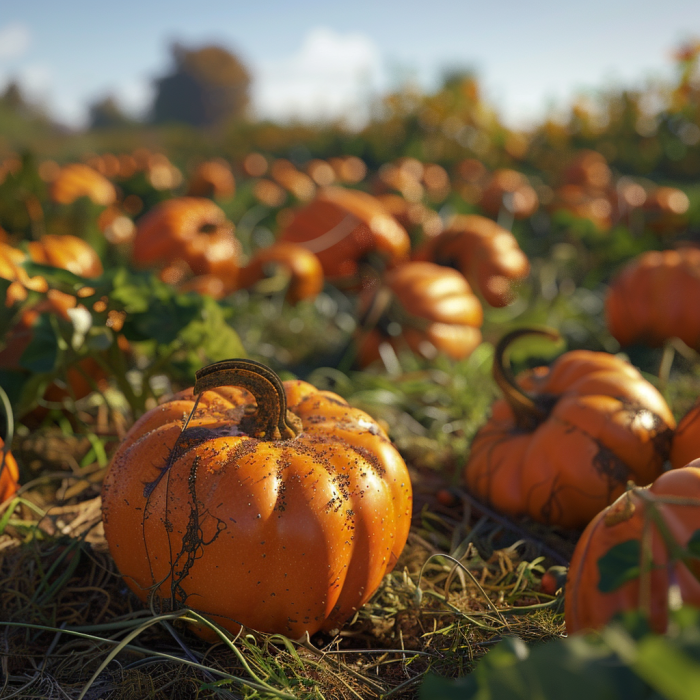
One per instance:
(80, 379)
(344, 226)
(301, 270)
(9, 474)
(68, 253)
(654, 298)
(686, 438)
(636, 550)
(77, 180)
(193, 230)
(511, 190)
(584, 204)
(286, 493)
(213, 178)
(565, 440)
(484, 252)
(589, 170)
(11, 269)
(666, 210)
(425, 306)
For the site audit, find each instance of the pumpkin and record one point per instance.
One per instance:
(589, 170)
(565, 440)
(11, 269)
(9, 474)
(484, 252)
(67, 252)
(686, 438)
(342, 227)
(77, 381)
(510, 189)
(273, 505)
(300, 267)
(584, 204)
(294, 181)
(654, 297)
(425, 306)
(635, 550)
(666, 210)
(193, 230)
(213, 178)
(77, 180)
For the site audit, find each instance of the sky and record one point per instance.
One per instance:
(315, 60)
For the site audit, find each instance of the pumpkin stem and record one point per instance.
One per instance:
(272, 420)
(528, 413)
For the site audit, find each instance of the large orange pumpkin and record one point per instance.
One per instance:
(635, 550)
(484, 252)
(301, 266)
(342, 227)
(191, 230)
(274, 505)
(77, 180)
(9, 474)
(425, 306)
(565, 440)
(654, 298)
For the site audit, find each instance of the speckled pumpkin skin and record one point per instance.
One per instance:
(286, 536)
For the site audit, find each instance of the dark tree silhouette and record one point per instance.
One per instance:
(208, 86)
(106, 113)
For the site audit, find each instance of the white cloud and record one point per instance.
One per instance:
(135, 96)
(14, 40)
(331, 77)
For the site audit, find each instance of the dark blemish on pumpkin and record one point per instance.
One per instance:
(193, 541)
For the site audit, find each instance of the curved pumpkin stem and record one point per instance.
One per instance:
(272, 420)
(528, 414)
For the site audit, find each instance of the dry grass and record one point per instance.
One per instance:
(71, 629)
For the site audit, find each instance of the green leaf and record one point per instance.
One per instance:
(57, 277)
(619, 565)
(693, 545)
(41, 353)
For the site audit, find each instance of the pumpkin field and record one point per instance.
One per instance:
(407, 412)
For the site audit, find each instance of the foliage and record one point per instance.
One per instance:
(624, 660)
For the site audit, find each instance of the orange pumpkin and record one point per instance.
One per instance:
(342, 227)
(686, 439)
(274, 505)
(11, 269)
(77, 180)
(565, 440)
(584, 204)
(654, 297)
(300, 266)
(666, 210)
(484, 252)
(427, 307)
(589, 170)
(509, 189)
(193, 230)
(67, 252)
(213, 178)
(77, 382)
(9, 474)
(635, 550)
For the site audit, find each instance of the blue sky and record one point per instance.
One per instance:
(320, 59)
